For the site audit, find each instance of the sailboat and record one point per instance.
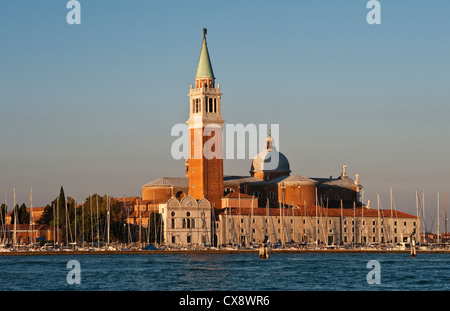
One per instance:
(15, 222)
(250, 230)
(108, 223)
(127, 247)
(31, 225)
(438, 220)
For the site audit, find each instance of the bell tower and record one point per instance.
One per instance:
(204, 168)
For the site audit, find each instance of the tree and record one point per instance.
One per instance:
(61, 208)
(23, 217)
(3, 211)
(95, 219)
(47, 216)
(54, 213)
(94, 222)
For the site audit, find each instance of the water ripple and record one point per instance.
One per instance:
(291, 272)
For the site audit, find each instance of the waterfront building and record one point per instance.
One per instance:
(313, 225)
(187, 222)
(206, 207)
(26, 234)
(37, 213)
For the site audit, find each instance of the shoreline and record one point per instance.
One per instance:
(223, 251)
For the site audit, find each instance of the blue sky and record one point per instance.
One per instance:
(91, 106)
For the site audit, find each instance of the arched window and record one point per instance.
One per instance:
(271, 195)
(180, 194)
(257, 194)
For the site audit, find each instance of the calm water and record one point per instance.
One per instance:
(192, 272)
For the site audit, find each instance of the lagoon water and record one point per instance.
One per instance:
(226, 272)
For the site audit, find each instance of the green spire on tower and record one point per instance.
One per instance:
(204, 69)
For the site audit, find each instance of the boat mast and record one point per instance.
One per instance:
(108, 218)
(67, 221)
(57, 219)
(316, 226)
(267, 221)
(251, 223)
(15, 220)
(82, 224)
(140, 221)
(417, 205)
(240, 222)
(354, 223)
(3, 218)
(423, 213)
(92, 222)
(128, 220)
(282, 218)
(54, 223)
(303, 220)
(326, 222)
(362, 217)
(33, 237)
(98, 223)
(392, 216)
(154, 223)
(446, 219)
(75, 216)
(341, 225)
(437, 228)
(149, 222)
(379, 222)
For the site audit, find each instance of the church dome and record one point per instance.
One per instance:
(270, 161)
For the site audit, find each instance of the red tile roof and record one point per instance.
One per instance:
(311, 211)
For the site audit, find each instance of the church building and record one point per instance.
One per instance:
(268, 205)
